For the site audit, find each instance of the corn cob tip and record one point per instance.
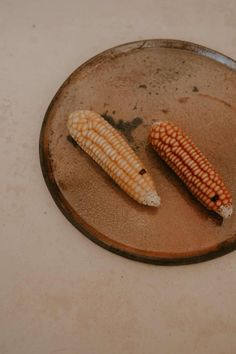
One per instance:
(156, 124)
(225, 211)
(151, 198)
(80, 117)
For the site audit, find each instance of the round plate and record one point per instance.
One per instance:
(131, 86)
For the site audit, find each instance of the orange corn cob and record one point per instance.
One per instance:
(182, 155)
(109, 149)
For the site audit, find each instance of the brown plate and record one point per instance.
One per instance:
(132, 85)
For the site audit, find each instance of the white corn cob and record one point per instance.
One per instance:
(109, 149)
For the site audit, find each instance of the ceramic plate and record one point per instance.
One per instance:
(133, 85)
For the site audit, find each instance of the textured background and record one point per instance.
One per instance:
(59, 292)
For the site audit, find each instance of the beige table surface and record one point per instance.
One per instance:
(59, 292)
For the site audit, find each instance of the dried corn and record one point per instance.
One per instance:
(191, 166)
(109, 149)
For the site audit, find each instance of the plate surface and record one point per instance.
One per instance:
(133, 85)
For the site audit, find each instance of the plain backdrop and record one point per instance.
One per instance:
(59, 292)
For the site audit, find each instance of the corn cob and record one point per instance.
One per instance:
(182, 155)
(109, 149)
